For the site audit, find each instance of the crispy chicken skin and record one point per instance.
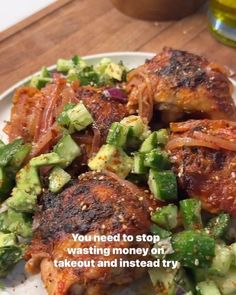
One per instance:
(95, 204)
(204, 157)
(177, 82)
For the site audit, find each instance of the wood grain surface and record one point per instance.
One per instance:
(94, 26)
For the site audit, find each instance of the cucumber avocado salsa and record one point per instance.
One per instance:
(202, 244)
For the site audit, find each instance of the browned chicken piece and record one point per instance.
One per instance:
(34, 114)
(204, 157)
(95, 204)
(176, 83)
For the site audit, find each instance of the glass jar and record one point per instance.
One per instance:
(222, 18)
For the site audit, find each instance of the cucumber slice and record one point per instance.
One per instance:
(166, 217)
(158, 160)
(207, 288)
(117, 135)
(57, 179)
(190, 210)
(163, 185)
(138, 166)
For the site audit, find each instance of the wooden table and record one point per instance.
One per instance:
(93, 26)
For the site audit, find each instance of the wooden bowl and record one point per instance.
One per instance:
(158, 10)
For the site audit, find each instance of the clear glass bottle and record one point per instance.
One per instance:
(222, 18)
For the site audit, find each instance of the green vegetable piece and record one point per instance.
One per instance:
(7, 239)
(218, 226)
(27, 179)
(87, 76)
(39, 82)
(6, 183)
(100, 68)
(9, 256)
(22, 201)
(149, 143)
(57, 179)
(158, 160)
(113, 159)
(157, 230)
(1, 144)
(115, 71)
(233, 250)
(222, 260)
(79, 117)
(64, 65)
(67, 149)
(190, 210)
(193, 249)
(207, 288)
(46, 159)
(8, 151)
(163, 185)
(226, 284)
(136, 127)
(76, 59)
(117, 135)
(162, 136)
(19, 157)
(45, 73)
(138, 164)
(63, 119)
(16, 222)
(166, 217)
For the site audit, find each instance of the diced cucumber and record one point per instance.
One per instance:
(158, 160)
(47, 159)
(138, 166)
(227, 284)
(8, 151)
(233, 250)
(166, 217)
(193, 248)
(114, 71)
(39, 82)
(20, 155)
(64, 65)
(113, 159)
(67, 149)
(149, 143)
(63, 118)
(190, 210)
(161, 232)
(6, 183)
(79, 117)
(200, 274)
(184, 281)
(45, 73)
(57, 179)
(117, 134)
(222, 260)
(218, 226)
(136, 127)
(163, 185)
(1, 143)
(7, 239)
(207, 288)
(162, 136)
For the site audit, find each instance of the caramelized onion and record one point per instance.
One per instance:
(189, 141)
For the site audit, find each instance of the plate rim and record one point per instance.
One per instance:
(12, 88)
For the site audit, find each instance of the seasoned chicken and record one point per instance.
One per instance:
(95, 204)
(177, 82)
(34, 114)
(204, 157)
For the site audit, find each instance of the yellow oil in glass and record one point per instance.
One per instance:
(222, 18)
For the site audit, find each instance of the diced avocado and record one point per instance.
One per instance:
(9, 256)
(222, 260)
(8, 151)
(46, 159)
(149, 143)
(113, 159)
(22, 201)
(57, 179)
(207, 288)
(6, 183)
(67, 149)
(137, 128)
(20, 156)
(102, 65)
(227, 283)
(79, 117)
(163, 185)
(64, 65)
(7, 239)
(166, 217)
(157, 159)
(16, 222)
(27, 179)
(114, 71)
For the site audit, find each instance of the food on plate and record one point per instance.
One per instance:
(178, 82)
(98, 203)
(91, 153)
(203, 153)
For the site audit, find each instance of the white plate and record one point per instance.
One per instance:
(16, 282)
